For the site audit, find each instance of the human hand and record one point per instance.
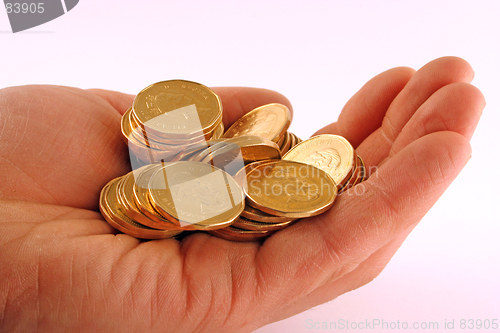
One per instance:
(64, 268)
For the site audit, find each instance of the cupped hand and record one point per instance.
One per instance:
(63, 268)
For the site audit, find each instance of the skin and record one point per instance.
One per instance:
(65, 269)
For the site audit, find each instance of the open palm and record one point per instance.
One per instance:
(64, 268)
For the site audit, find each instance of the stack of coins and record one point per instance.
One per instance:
(168, 117)
(162, 200)
(241, 185)
(114, 213)
(290, 141)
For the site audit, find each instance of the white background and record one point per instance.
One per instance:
(318, 55)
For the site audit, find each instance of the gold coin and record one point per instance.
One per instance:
(208, 150)
(258, 152)
(241, 176)
(198, 195)
(138, 146)
(281, 140)
(232, 154)
(130, 136)
(192, 150)
(186, 157)
(254, 214)
(125, 124)
(177, 108)
(149, 155)
(127, 198)
(133, 132)
(364, 173)
(290, 189)
(270, 121)
(151, 139)
(140, 132)
(299, 140)
(247, 224)
(135, 162)
(256, 148)
(360, 175)
(239, 235)
(359, 171)
(354, 177)
(130, 209)
(228, 158)
(331, 153)
(219, 131)
(140, 192)
(285, 146)
(293, 141)
(114, 215)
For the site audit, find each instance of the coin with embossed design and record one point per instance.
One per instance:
(241, 176)
(290, 189)
(197, 195)
(331, 153)
(270, 121)
(177, 108)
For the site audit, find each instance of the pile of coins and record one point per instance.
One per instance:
(143, 205)
(167, 116)
(241, 185)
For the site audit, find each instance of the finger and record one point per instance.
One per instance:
(426, 81)
(456, 107)
(364, 112)
(335, 243)
(121, 102)
(237, 101)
